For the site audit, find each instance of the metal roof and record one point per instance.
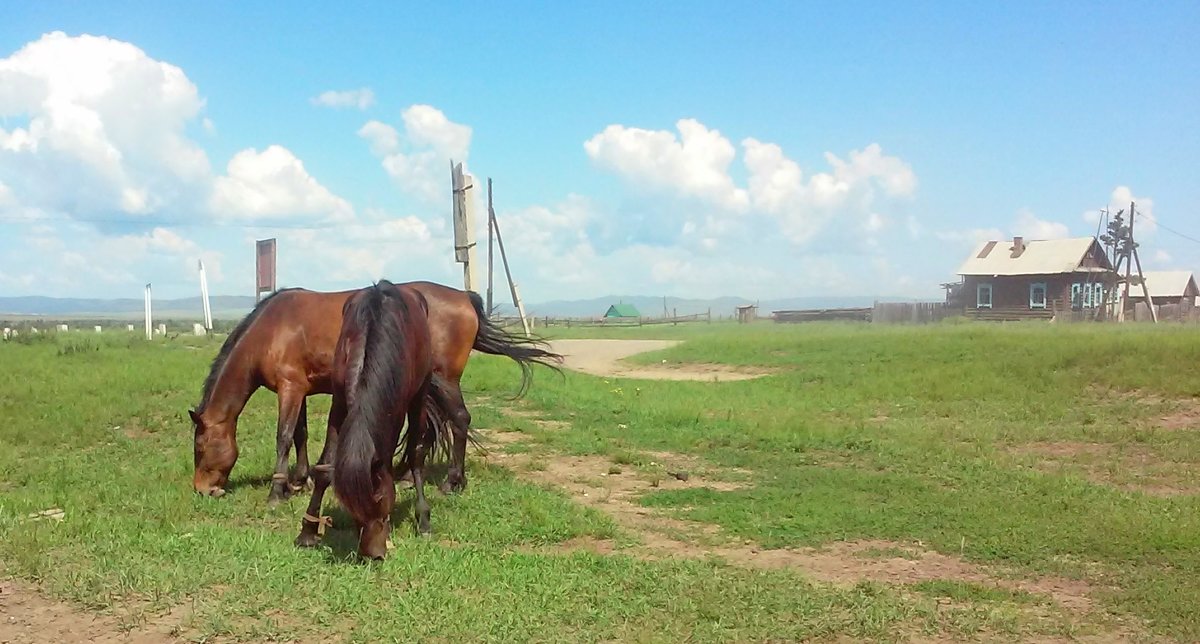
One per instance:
(622, 311)
(1040, 257)
(1164, 283)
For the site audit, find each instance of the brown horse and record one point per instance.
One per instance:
(382, 367)
(286, 345)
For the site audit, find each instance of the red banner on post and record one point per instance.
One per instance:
(265, 267)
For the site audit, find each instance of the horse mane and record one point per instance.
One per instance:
(218, 363)
(379, 314)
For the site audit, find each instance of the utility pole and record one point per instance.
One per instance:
(512, 286)
(491, 227)
(1141, 277)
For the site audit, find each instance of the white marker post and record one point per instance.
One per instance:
(204, 299)
(149, 323)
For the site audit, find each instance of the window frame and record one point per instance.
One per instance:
(979, 288)
(1033, 287)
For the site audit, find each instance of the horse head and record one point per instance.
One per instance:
(215, 452)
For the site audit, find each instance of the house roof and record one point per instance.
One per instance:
(1165, 283)
(1040, 257)
(623, 310)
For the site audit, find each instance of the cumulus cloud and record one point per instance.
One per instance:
(418, 160)
(1029, 226)
(105, 134)
(1120, 199)
(273, 184)
(359, 98)
(105, 129)
(695, 165)
(376, 246)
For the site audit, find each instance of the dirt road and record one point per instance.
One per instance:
(604, 358)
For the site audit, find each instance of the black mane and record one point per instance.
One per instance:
(218, 362)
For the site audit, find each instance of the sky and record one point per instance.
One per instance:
(692, 149)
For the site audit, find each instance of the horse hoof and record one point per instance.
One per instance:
(307, 541)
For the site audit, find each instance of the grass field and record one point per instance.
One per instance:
(944, 482)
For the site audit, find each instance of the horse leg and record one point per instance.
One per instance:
(311, 526)
(300, 476)
(290, 403)
(460, 425)
(417, 423)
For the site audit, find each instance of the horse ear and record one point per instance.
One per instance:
(194, 415)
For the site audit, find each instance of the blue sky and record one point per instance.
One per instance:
(698, 149)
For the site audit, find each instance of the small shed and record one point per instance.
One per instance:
(622, 310)
(746, 313)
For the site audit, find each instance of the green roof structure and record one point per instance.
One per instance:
(622, 311)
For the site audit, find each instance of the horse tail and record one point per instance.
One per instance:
(375, 377)
(525, 352)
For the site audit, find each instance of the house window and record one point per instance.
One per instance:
(983, 296)
(1087, 296)
(1037, 295)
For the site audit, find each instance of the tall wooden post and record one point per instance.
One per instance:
(1138, 260)
(491, 227)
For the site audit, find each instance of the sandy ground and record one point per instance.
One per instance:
(605, 358)
(26, 616)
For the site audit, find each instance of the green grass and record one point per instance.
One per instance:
(862, 432)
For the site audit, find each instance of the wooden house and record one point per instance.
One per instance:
(1037, 279)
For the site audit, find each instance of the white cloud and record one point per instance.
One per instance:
(1120, 199)
(1029, 226)
(1162, 257)
(273, 184)
(209, 127)
(419, 160)
(106, 136)
(105, 130)
(970, 237)
(694, 164)
(359, 98)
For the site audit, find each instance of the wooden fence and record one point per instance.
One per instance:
(820, 315)
(912, 312)
(547, 321)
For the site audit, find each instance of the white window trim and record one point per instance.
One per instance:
(979, 295)
(1032, 287)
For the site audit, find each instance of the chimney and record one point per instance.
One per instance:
(1018, 247)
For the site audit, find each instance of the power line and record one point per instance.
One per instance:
(1168, 229)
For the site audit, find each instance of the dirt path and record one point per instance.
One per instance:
(604, 358)
(598, 482)
(27, 616)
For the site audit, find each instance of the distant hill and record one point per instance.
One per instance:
(223, 306)
(230, 307)
(650, 306)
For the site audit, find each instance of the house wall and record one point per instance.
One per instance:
(1010, 294)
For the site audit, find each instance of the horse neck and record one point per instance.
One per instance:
(235, 384)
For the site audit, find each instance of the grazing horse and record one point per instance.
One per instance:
(382, 367)
(286, 345)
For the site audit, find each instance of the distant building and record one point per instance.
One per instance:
(1036, 279)
(1166, 287)
(622, 310)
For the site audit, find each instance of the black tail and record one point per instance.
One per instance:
(525, 352)
(438, 441)
(380, 355)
